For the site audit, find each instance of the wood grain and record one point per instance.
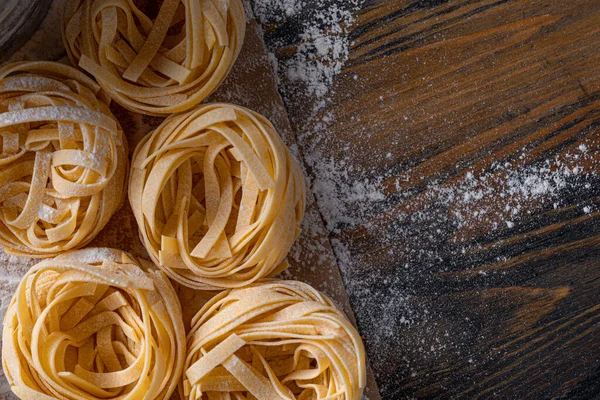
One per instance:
(454, 303)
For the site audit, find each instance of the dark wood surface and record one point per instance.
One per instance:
(470, 97)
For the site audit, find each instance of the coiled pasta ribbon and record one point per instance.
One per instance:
(158, 65)
(63, 159)
(91, 324)
(271, 341)
(217, 196)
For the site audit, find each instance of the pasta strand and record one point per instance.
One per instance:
(161, 66)
(63, 159)
(217, 196)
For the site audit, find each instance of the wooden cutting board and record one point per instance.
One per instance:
(253, 85)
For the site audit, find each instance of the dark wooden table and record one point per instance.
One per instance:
(478, 273)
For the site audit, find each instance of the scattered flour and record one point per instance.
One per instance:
(306, 79)
(442, 230)
(507, 191)
(339, 193)
(322, 47)
(273, 11)
(349, 196)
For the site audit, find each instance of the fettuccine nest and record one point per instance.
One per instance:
(217, 196)
(91, 324)
(273, 340)
(63, 160)
(155, 64)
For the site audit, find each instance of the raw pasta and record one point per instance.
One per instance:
(271, 341)
(159, 65)
(217, 196)
(63, 159)
(91, 324)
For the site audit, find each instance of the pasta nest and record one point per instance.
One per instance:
(217, 196)
(63, 161)
(273, 340)
(155, 65)
(92, 324)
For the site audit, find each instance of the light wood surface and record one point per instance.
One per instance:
(253, 85)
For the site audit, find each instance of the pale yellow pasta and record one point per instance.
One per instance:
(155, 64)
(92, 324)
(271, 341)
(63, 159)
(217, 196)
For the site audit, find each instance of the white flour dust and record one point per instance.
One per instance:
(322, 47)
(350, 196)
(500, 197)
(276, 10)
(306, 80)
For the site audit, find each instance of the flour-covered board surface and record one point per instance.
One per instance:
(453, 150)
(251, 84)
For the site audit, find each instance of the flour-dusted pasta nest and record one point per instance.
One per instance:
(273, 340)
(92, 324)
(155, 64)
(217, 196)
(63, 159)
